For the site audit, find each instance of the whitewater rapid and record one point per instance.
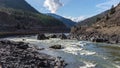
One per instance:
(78, 54)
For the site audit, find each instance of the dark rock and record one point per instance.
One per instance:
(43, 64)
(5, 42)
(117, 41)
(42, 37)
(22, 45)
(53, 36)
(40, 48)
(56, 47)
(23, 39)
(62, 36)
(99, 40)
(13, 56)
(25, 46)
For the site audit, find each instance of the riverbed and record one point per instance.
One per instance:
(78, 54)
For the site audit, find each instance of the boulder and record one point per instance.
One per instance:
(62, 36)
(53, 36)
(99, 40)
(42, 37)
(92, 39)
(5, 42)
(22, 45)
(56, 47)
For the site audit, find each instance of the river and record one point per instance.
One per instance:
(78, 54)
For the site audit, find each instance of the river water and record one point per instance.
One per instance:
(79, 54)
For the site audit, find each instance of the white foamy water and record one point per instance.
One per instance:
(77, 49)
(72, 50)
(88, 65)
(78, 54)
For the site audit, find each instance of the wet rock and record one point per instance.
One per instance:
(99, 40)
(40, 48)
(25, 46)
(13, 56)
(22, 45)
(23, 39)
(5, 42)
(53, 36)
(42, 37)
(56, 47)
(62, 36)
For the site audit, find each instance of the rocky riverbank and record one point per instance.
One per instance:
(94, 36)
(22, 55)
(104, 27)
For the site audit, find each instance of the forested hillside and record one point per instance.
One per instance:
(17, 15)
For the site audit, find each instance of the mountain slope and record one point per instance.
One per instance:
(106, 28)
(69, 23)
(21, 17)
(92, 20)
(17, 4)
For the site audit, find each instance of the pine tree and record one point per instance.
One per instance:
(112, 10)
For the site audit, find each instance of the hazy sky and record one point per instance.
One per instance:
(74, 9)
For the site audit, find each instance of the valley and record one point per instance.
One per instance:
(59, 34)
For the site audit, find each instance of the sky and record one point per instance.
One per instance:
(75, 10)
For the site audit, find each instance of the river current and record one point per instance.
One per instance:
(78, 54)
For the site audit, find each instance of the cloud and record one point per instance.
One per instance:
(76, 19)
(106, 5)
(52, 5)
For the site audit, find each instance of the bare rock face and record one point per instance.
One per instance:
(21, 55)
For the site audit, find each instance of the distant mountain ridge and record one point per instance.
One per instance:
(91, 20)
(69, 23)
(17, 4)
